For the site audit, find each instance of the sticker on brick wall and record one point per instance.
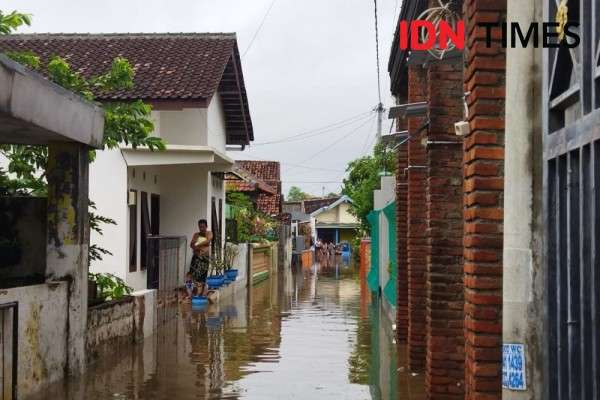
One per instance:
(513, 367)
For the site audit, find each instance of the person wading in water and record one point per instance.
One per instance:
(200, 245)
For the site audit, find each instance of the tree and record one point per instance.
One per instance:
(296, 194)
(363, 178)
(127, 123)
(11, 22)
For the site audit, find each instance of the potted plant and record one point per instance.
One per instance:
(216, 278)
(231, 252)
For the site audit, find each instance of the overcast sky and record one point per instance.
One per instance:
(311, 65)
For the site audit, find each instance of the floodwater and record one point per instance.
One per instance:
(310, 333)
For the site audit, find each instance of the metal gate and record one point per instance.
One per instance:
(571, 143)
(9, 328)
(166, 258)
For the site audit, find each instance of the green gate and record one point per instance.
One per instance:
(373, 276)
(389, 290)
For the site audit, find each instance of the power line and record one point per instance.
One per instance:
(315, 132)
(312, 181)
(259, 28)
(395, 13)
(367, 139)
(377, 53)
(333, 143)
(296, 165)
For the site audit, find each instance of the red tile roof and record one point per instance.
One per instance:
(169, 66)
(267, 172)
(312, 205)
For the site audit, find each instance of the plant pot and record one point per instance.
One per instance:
(215, 282)
(199, 300)
(231, 274)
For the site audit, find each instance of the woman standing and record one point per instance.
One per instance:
(201, 244)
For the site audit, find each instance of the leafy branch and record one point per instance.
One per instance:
(125, 123)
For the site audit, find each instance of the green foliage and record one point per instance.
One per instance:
(363, 178)
(252, 225)
(110, 287)
(10, 22)
(128, 123)
(296, 194)
(27, 58)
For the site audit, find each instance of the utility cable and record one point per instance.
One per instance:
(259, 28)
(334, 143)
(377, 53)
(315, 132)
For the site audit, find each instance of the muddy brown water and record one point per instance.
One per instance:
(312, 333)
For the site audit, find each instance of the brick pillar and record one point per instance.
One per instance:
(401, 232)
(417, 224)
(445, 360)
(483, 195)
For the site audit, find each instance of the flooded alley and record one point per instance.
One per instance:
(305, 333)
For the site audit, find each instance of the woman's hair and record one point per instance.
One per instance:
(203, 221)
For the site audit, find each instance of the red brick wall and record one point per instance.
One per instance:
(417, 224)
(483, 197)
(401, 232)
(445, 359)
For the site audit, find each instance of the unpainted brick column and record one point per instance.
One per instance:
(417, 223)
(401, 232)
(483, 200)
(445, 359)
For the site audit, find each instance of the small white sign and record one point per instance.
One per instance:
(513, 366)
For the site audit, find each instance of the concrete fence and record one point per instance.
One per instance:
(118, 323)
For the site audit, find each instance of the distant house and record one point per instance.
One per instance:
(195, 85)
(261, 181)
(334, 222)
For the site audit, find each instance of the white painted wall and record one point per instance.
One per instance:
(185, 190)
(184, 200)
(141, 179)
(216, 124)
(43, 313)
(382, 198)
(184, 127)
(108, 189)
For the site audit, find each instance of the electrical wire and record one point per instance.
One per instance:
(368, 139)
(395, 12)
(377, 53)
(333, 143)
(315, 132)
(259, 28)
(296, 165)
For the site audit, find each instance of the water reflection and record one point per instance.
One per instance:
(310, 333)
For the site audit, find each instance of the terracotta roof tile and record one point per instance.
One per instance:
(313, 205)
(167, 66)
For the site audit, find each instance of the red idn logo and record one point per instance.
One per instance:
(424, 35)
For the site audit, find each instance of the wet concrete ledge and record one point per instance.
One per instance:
(119, 323)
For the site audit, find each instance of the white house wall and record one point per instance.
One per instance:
(184, 127)
(184, 200)
(141, 179)
(216, 124)
(108, 189)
